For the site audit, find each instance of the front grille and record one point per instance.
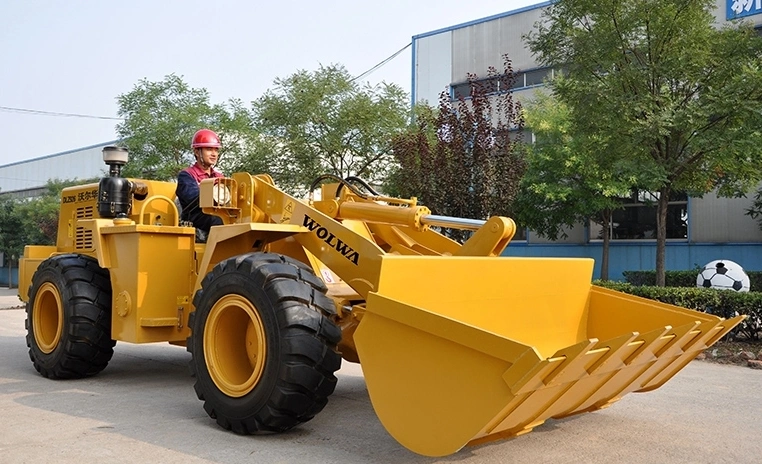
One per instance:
(83, 239)
(84, 212)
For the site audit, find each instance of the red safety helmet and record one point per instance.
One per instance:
(205, 138)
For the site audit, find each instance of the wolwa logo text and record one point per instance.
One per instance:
(334, 242)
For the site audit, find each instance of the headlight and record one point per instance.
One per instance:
(221, 195)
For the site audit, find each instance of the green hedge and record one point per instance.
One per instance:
(683, 278)
(722, 303)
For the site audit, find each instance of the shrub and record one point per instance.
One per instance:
(682, 278)
(721, 303)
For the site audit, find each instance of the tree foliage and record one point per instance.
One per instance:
(11, 228)
(755, 210)
(569, 179)
(160, 119)
(324, 121)
(32, 221)
(464, 159)
(668, 89)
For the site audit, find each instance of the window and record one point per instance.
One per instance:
(518, 82)
(488, 86)
(497, 84)
(537, 76)
(461, 90)
(637, 219)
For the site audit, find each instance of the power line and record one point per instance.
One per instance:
(366, 73)
(9, 109)
(20, 179)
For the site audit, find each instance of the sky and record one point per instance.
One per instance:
(78, 56)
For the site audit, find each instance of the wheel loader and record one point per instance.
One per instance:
(456, 345)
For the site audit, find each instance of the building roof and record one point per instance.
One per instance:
(483, 20)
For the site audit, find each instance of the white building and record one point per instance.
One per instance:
(28, 178)
(700, 229)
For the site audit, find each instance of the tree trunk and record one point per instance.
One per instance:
(661, 235)
(606, 223)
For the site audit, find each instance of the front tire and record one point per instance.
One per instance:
(263, 347)
(69, 317)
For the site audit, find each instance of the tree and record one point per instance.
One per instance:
(568, 179)
(668, 90)
(40, 215)
(32, 221)
(160, 119)
(325, 122)
(464, 160)
(755, 210)
(11, 228)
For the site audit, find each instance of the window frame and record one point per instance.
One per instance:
(682, 201)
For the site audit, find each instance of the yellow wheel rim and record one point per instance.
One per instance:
(234, 345)
(47, 318)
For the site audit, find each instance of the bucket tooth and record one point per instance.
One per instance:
(670, 353)
(613, 358)
(609, 359)
(571, 368)
(690, 349)
(550, 379)
(722, 329)
(526, 373)
(652, 341)
(637, 356)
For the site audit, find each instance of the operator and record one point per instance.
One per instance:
(206, 148)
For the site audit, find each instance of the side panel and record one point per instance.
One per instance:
(152, 271)
(33, 256)
(77, 203)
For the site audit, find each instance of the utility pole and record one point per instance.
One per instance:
(10, 268)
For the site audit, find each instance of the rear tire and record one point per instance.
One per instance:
(262, 344)
(69, 317)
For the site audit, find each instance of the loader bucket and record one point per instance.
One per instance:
(463, 350)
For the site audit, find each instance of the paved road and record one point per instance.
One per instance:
(9, 298)
(142, 408)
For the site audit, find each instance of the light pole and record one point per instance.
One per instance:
(10, 268)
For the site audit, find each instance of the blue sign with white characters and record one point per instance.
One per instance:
(741, 8)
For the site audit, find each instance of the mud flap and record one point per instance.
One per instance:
(459, 351)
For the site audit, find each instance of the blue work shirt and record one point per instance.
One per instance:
(187, 192)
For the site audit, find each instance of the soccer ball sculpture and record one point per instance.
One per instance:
(723, 274)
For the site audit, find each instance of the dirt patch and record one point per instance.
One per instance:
(12, 307)
(738, 352)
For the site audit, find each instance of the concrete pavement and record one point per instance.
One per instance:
(142, 408)
(9, 298)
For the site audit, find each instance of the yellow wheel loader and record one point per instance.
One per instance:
(455, 347)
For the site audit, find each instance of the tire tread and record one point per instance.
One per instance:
(308, 342)
(86, 297)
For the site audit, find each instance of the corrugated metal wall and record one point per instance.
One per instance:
(433, 64)
(476, 48)
(714, 219)
(83, 163)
